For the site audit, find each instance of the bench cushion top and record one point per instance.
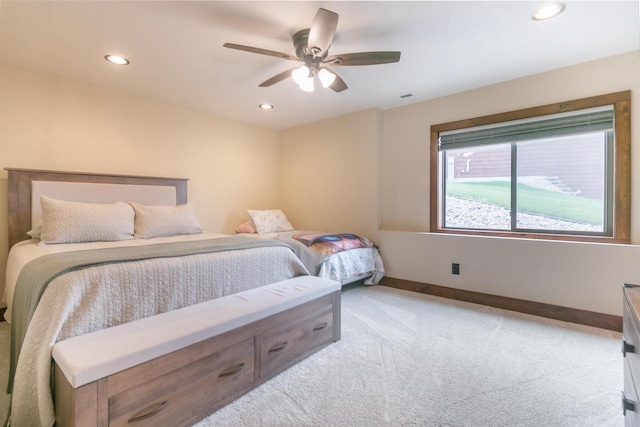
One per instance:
(87, 358)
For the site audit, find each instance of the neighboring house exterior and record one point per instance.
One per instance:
(583, 175)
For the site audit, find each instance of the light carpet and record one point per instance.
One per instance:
(407, 359)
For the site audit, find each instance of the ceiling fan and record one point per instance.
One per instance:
(312, 49)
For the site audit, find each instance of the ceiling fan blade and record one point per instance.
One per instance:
(322, 31)
(364, 58)
(261, 51)
(338, 84)
(277, 78)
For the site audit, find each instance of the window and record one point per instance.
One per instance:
(560, 171)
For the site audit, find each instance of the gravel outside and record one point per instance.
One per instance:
(463, 213)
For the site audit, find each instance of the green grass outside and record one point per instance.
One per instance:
(531, 200)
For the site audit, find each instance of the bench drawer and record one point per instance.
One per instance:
(285, 345)
(186, 394)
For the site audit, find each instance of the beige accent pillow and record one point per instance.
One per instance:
(74, 222)
(164, 221)
(270, 221)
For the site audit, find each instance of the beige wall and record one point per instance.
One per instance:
(329, 172)
(53, 123)
(580, 275)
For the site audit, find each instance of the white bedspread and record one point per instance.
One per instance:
(95, 298)
(352, 265)
(25, 251)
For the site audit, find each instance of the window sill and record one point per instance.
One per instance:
(536, 236)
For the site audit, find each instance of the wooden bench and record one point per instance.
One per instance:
(178, 367)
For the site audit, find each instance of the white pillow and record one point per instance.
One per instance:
(270, 221)
(163, 221)
(74, 222)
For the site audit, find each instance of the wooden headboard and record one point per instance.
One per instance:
(20, 192)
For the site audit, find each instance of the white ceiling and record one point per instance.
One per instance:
(176, 52)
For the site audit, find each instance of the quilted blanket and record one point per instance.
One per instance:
(343, 257)
(329, 244)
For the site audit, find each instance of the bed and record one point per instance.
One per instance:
(95, 284)
(343, 257)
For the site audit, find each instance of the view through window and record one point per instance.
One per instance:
(544, 175)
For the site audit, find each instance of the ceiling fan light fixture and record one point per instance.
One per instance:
(301, 74)
(312, 49)
(326, 77)
(307, 84)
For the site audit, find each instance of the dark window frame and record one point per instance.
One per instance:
(621, 187)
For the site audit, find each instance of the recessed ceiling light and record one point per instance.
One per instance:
(548, 11)
(118, 60)
(265, 106)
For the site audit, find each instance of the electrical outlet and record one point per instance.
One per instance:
(455, 268)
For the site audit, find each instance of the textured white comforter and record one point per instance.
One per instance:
(27, 250)
(95, 298)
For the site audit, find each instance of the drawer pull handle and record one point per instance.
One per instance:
(232, 371)
(320, 327)
(149, 414)
(627, 405)
(627, 348)
(279, 347)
